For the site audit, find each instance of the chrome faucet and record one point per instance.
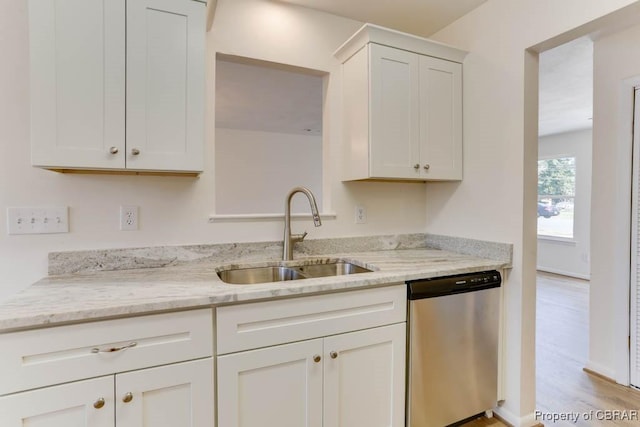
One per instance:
(291, 239)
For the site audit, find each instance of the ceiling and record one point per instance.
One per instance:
(566, 88)
(420, 17)
(271, 98)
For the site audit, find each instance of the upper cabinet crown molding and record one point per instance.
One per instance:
(371, 33)
(117, 86)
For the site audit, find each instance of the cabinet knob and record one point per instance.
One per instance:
(416, 166)
(113, 150)
(99, 403)
(333, 354)
(135, 151)
(317, 358)
(426, 167)
(127, 397)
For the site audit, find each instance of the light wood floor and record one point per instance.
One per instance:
(561, 352)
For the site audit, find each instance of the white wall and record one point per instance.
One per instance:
(496, 200)
(249, 171)
(614, 62)
(175, 210)
(563, 257)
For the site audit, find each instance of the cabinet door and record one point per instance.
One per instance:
(75, 404)
(167, 396)
(394, 120)
(77, 83)
(364, 378)
(165, 85)
(441, 119)
(275, 386)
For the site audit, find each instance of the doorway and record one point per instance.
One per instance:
(564, 159)
(564, 220)
(609, 289)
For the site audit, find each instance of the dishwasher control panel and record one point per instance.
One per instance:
(456, 284)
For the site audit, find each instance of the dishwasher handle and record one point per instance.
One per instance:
(451, 285)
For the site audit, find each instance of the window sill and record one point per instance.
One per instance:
(556, 239)
(266, 217)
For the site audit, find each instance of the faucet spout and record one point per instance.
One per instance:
(290, 239)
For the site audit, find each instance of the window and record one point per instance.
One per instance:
(556, 196)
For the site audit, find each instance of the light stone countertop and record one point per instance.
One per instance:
(96, 295)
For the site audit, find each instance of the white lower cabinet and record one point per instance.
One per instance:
(75, 404)
(147, 371)
(274, 386)
(167, 396)
(350, 379)
(364, 378)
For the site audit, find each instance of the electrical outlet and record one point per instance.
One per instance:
(128, 218)
(361, 215)
(38, 220)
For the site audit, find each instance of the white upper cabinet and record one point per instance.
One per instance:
(395, 112)
(98, 64)
(77, 83)
(165, 84)
(440, 119)
(402, 103)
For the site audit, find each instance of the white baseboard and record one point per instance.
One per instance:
(601, 370)
(526, 421)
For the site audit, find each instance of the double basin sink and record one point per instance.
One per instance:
(278, 273)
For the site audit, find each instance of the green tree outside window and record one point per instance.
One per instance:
(556, 195)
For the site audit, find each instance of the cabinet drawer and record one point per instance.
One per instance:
(262, 324)
(55, 355)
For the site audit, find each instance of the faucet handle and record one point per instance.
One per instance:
(298, 237)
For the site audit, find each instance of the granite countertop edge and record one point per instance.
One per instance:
(75, 298)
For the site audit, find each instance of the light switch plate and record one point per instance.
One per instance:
(38, 220)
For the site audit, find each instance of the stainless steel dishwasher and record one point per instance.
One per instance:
(453, 348)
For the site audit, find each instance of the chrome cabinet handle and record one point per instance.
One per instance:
(113, 150)
(127, 397)
(416, 166)
(99, 403)
(426, 167)
(114, 349)
(333, 354)
(135, 151)
(317, 358)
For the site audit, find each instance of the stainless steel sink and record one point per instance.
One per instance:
(332, 269)
(249, 276)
